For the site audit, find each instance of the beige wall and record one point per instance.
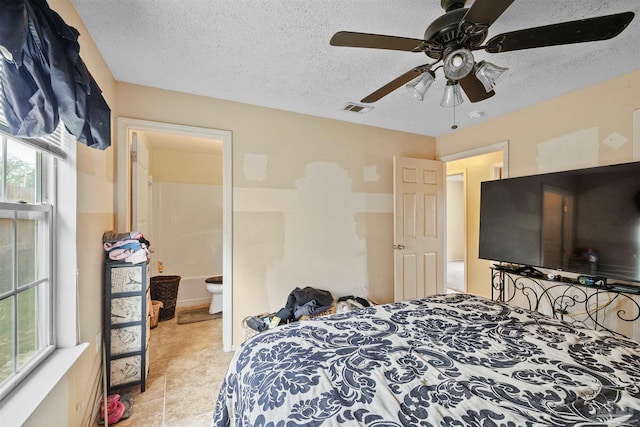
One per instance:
(186, 168)
(187, 215)
(71, 402)
(312, 197)
(456, 214)
(477, 169)
(579, 129)
(588, 127)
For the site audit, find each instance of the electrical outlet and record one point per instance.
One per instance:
(98, 341)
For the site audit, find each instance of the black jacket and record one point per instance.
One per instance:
(46, 80)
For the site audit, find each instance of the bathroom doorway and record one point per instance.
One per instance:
(186, 194)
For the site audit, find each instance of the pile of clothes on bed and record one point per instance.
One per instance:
(305, 303)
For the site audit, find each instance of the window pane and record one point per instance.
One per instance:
(2, 139)
(21, 173)
(6, 254)
(27, 259)
(28, 308)
(26, 300)
(6, 339)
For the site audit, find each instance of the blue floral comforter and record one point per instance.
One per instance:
(446, 360)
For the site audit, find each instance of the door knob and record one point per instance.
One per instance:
(399, 247)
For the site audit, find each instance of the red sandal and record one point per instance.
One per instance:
(115, 415)
(112, 399)
(115, 409)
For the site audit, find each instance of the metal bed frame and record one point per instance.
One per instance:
(599, 306)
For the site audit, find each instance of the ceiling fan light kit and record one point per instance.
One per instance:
(452, 96)
(453, 36)
(458, 64)
(419, 86)
(488, 74)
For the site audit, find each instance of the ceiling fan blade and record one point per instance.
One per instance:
(485, 12)
(378, 41)
(474, 89)
(394, 84)
(583, 30)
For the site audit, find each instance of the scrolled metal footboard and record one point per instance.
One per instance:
(599, 307)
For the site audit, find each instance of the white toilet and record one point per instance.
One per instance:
(214, 286)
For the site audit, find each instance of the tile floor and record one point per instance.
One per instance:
(187, 368)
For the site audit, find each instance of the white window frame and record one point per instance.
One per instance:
(24, 399)
(44, 210)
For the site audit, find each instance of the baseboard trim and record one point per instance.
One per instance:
(96, 392)
(193, 301)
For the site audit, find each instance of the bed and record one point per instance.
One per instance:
(444, 360)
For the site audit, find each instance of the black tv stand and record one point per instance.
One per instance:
(529, 271)
(599, 306)
(522, 270)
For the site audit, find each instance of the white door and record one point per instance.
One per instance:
(418, 187)
(140, 194)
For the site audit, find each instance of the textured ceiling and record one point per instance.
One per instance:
(276, 53)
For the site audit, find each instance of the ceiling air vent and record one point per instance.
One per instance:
(357, 108)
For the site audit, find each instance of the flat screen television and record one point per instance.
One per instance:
(585, 221)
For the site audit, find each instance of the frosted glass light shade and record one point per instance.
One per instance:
(419, 86)
(452, 96)
(488, 73)
(458, 64)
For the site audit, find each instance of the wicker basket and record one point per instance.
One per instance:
(330, 310)
(249, 332)
(155, 313)
(165, 290)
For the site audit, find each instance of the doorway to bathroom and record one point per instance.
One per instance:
(175, 182)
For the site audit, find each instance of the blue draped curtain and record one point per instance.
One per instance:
(44, 80)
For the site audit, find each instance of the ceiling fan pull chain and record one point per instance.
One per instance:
(454, 126)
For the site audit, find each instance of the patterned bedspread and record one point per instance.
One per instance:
(446, 360)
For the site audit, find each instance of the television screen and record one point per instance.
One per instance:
(585, 221)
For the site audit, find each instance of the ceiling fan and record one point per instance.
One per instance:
(452, 37)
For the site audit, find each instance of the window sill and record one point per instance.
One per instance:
(22, 402)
